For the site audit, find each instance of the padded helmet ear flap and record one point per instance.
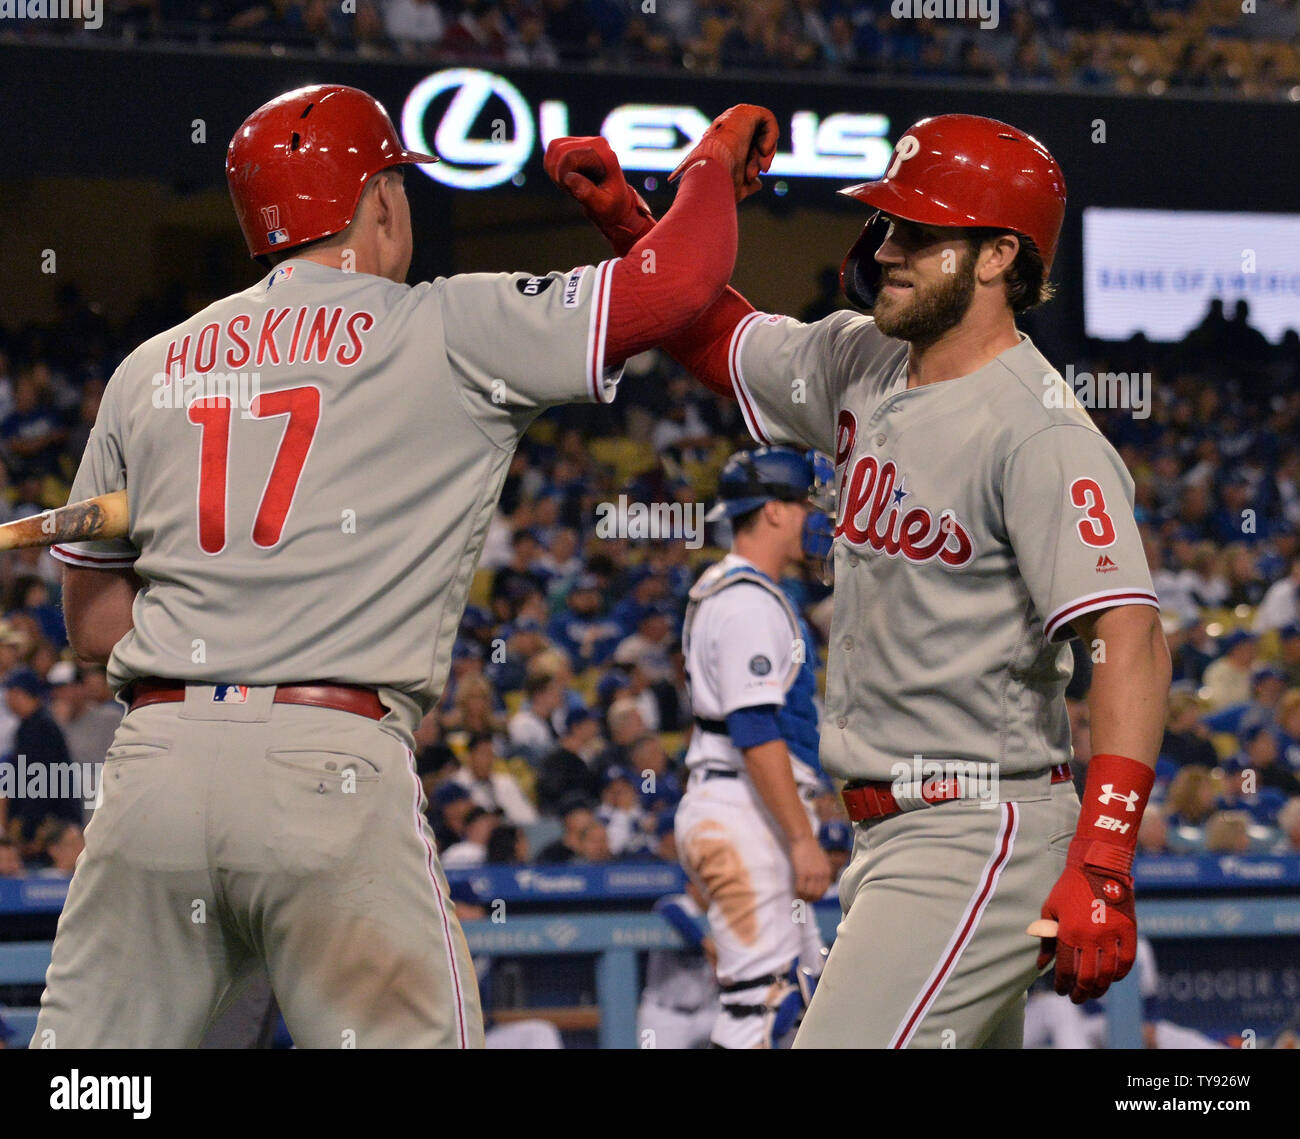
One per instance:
(860, 273)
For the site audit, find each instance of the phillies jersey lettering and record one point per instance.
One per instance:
(871, 515)
(971, 516)
(310, 334)
(307, 536)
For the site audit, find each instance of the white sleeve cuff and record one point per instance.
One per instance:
(1056, 627)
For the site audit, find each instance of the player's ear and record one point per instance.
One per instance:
(381, 197)
(996, 256)
(380, 193)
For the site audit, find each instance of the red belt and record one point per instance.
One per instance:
(874, 800)
(341, 697)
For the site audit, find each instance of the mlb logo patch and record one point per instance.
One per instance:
(277, 237)
(281, 274)
(230, 694)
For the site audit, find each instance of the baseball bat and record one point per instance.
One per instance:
(96, 518)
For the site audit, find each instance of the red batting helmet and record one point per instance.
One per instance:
(960, 170)
(298, 164)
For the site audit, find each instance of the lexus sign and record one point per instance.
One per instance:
(484, 130)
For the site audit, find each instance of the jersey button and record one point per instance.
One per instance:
(842, 722)
(880, 439)
(848, 644)
(853, 560)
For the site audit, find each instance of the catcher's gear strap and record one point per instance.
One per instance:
(752, 983)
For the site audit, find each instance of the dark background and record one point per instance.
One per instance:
(99, 165)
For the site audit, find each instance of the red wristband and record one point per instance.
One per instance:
(1114, 798)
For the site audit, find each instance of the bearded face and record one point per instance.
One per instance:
(927, 294)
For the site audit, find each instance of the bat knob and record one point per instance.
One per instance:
(1043, 927)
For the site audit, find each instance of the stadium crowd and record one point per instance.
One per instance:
(561, 731)
(1147, 46)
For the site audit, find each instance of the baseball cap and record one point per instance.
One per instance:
(464, 650)
(576, 716)
(609, 684)
(523, 625)
(1237, 637)
(614, 774)
(449, 793)
(25, 680)
(1267, 672)
(475, 617)
(835, 835)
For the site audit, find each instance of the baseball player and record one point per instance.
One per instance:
(282, 615)
(982, 521)
(746, 831)
(679, 1003)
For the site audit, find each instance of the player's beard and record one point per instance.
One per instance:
(931, 310)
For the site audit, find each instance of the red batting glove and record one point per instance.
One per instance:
(587, 169)
(743, 139)
(1092, 902)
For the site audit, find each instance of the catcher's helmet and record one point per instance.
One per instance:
(751, 478)
(298, 164)
(959, 170)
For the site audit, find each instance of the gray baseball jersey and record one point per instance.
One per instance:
(976, 519)
(312, 465)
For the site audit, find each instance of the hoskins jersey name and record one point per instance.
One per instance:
(301, 334)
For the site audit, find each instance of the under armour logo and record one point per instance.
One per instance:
(271, 216)
(1112, 890)
(1109, 793)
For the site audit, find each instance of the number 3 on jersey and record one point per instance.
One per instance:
(212, 415)
(1095, 527)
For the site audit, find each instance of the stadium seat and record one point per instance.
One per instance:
(628, 457)
(674, 742)
(542, 833)
(523, 774)
(1225, 743)
(480, 589)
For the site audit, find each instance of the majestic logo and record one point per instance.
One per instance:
(1109, 795)
(871, 514)
(1105, 565)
